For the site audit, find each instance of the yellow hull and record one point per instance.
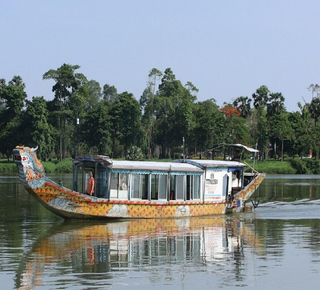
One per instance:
(71, 204)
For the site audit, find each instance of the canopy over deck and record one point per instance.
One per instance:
(213, 163)
(239, 146)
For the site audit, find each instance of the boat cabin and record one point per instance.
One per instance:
(181, 180)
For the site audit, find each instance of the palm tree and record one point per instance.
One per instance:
(314, 109)
(276, 104)
(244, 105)
(260, 97)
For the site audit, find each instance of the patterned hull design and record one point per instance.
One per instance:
(70, 204)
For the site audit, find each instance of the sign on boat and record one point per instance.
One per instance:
(140, 189)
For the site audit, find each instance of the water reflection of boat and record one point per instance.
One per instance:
(110, 247)
(133, 189)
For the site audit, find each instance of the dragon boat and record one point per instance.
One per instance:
(141, 189)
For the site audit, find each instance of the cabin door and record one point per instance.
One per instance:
(101, 181)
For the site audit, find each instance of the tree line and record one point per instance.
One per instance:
(167, 120)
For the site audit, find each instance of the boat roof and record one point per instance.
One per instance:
(182, 165)
(155, 166)
(213, 163)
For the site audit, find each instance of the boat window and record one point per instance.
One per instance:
(193, 187)
(154, 186)
(123, 181)
(172, 187)
(114, 185)
(136, 186)
(139, 186)
(123, 190)
(158, 186)
(180, 188)
(196, 187)
(163, 186)
(119, 185)
(145, 184)
(114, 180)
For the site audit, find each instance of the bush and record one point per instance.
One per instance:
(273, 167)
(64, 166)
(299, 165)
(6, 167)
(134, 153)
(49, 167)
(313, 165)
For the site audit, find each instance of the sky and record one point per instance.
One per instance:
(227, 49)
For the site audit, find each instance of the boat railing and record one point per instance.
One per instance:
(254, 170)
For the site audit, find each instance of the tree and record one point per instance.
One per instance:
(126, 121)
(301, 140)
(36, 127)
(173, 113)
(280, 130)
(67, 82)
(314, 109)
(258, 127)
(91, 92)
(96, 128)
(12, 96)
(148, 108)
(237, 131)
(109, 93)
(209, 126)
(260, 97)
(275, 106)
(314, 88)
(244, 106)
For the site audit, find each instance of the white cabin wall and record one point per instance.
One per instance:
(216, 182)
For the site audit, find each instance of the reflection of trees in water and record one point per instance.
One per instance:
(282, 189)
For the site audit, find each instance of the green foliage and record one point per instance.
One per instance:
(125, 117)
(313, 165)
(209, 125)
(314, 109)
(82, 118)
(134, 153)
(95, 130)
(12, 100)
(49, 167)
(307, 165)
(8, 167)
(273, 167)
(64, 166)
(299, 165)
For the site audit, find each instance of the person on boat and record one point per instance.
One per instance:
(90, 186)
(237, 156)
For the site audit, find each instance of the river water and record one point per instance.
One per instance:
(277, 246)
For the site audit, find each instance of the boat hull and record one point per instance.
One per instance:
(71, 204)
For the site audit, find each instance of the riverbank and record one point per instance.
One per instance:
(65, 166)
(293, 166)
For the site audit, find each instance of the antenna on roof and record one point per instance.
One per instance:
(183, 156)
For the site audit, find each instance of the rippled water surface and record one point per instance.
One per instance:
(275, 247)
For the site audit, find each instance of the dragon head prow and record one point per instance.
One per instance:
(27, 157)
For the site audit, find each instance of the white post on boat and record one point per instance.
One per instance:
(77, 150)
(183, 148)
(254, 158)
